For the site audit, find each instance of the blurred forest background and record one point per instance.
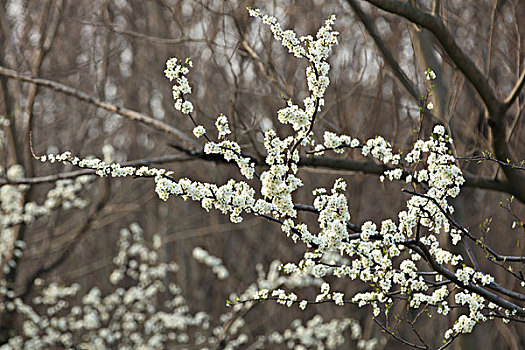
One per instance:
(115, 52)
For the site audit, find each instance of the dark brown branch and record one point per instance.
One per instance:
(387, 54)
(489, 158)
(422, 250)
(496, 108)
(365, 166)
(369, 167)
(436, 26)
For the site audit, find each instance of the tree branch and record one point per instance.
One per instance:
(387, 54)
(496, 109)
(369, 167)
(77, 173)
(515, 91)
(436, 26)
(128, 113)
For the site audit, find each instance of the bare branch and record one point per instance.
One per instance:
(387, 54)
(515, 91)
(398, 337)
(436, 26)
(153, 39)
(369, 167)
(125, 112)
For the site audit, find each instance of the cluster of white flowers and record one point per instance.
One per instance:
(444, 179)
(296, 116)
(372, 261)
(218, 268)
(380, 149)
(15, 211)
(333, 216)
(336, 143)
(316, 51)
(430, 75)
(177, 72)
(279, 181)
(314, 334)
(198, 131)
(389, 257)
(231, 150)
(128, 318)
(143, 312)
(233, 197)
(455, 235)
(374, 251)
(288, 37)
(222, 126)
(394, 174)
(476, 305)
(270, 283)
(317, 334)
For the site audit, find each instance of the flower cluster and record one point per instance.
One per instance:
(218, 268)
(222, 126)
(380, 149)
(429, 74)
(391, 257)
(142, 311)
(316, 333)
(15, 211)
(316, 51)
(333, 216)
(279, 181)
(231, 150)
(129, 317)
(465, 324)
(198, 131)
(177, 72)
(336, 143)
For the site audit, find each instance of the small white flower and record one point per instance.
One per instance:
(303, 304)
(187, 107)
(439, 130)
(222, 126)
(198, 131)
(430, 74)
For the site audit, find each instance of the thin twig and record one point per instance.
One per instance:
(399, 338)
